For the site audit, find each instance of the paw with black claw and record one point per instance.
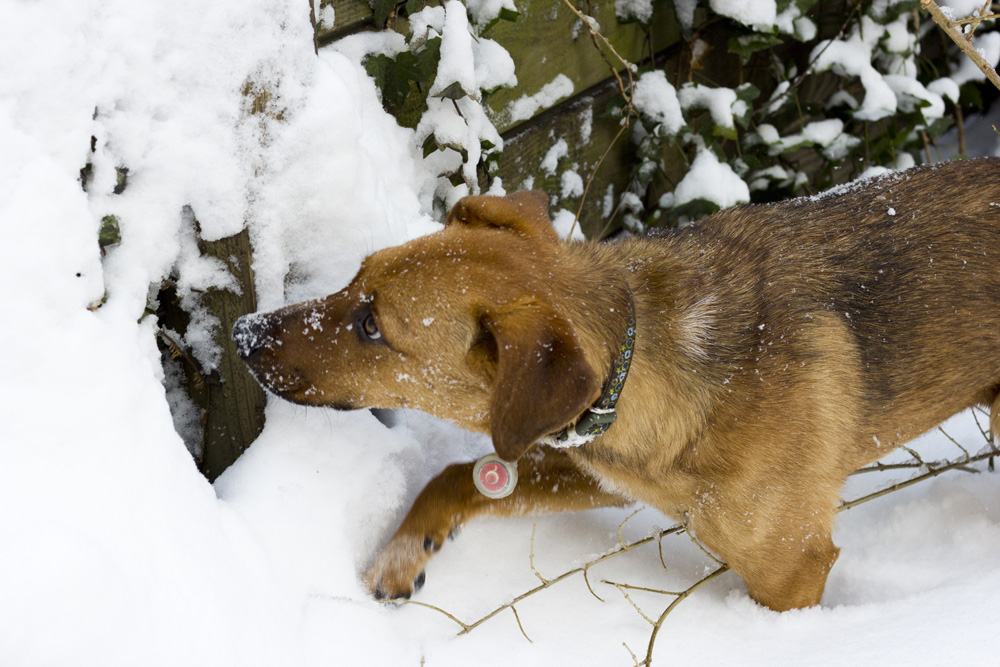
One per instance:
(398, 572)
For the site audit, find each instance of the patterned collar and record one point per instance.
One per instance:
(596, 419)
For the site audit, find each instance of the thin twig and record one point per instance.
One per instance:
(680, 598)
(955, 442)
(518, 619)
(954, 465)
(659, 545)
(988, 435)
(634, 659)
(531, 556)
(945, 23)
(640, 588)
(882, 467)
(621, 542)
(627, 112)
(632, 602)
(701, 546)
(974, 19)
(465, 627)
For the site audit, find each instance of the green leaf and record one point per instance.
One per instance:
(393, 77)
(504, 15)
(747, 92)
(746, 45)
(414, 6)
(110, 232)
(725, 132)
(428, 59)
(938, 126)
(382, 9)
(508, 14)
(969, 95)
(430, 145)
(453, 92)
(694, 209)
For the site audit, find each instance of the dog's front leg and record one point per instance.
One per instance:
(548, 482)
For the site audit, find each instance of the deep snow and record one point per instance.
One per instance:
(115, 551)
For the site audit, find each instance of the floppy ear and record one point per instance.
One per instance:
(542, 380)
(526, 213)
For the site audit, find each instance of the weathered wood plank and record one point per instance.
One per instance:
(558, 152)
(547, 39)
(234, 415)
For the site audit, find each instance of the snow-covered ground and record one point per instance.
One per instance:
(115, 551)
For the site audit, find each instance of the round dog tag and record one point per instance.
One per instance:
(494, 477)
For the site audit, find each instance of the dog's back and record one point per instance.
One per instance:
(910, 270)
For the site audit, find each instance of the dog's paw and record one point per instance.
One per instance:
(398, 572)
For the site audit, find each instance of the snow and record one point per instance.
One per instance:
(639, 10)
(757, 14)
(718, 101)
(685, 13)
(527, 106)
(556, 152)
(853, 57)
(656, 98)
(457, 65)
(710, 179)
(115, 551)
(485, 11)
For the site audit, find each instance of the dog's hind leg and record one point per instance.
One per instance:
(549, 483)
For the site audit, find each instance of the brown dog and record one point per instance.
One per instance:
(777, 349)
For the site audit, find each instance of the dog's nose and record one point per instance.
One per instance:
(252, 333)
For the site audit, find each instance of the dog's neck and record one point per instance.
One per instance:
(599, 417)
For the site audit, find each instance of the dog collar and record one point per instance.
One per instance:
(596, 419)
(496, 478)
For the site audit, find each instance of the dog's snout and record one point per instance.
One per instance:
(252, 333)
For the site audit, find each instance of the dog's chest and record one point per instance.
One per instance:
(641, 479)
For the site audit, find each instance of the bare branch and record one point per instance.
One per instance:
(949, 28)
(680, 598)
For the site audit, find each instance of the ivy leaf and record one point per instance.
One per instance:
(504, 15)
(430, 145)
(507, 14)
(694, 209)
(453, 92)
(747, 92)
(393, 76)
(110, 231)
(938, 126)
(428, 59)
(382, 9)
(724, 132)
(414, 6)
(746, 45)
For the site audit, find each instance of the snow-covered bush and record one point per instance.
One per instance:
(787, 98)
(821, 99)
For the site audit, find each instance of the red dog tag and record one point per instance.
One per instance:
(494, 477)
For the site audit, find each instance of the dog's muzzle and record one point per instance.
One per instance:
(252, 333)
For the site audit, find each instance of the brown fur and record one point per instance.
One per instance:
(779, 348)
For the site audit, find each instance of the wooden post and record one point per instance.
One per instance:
(234, 414)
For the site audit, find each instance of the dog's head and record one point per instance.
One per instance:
(466, 324)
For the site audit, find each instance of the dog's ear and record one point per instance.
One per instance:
(526, 213)
(542, 380)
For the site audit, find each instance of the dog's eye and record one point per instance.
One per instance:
(369, 328)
